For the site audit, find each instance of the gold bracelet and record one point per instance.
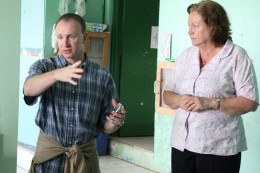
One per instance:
(218, 103)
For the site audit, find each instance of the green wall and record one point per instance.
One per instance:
(173, 20)
(9, 88)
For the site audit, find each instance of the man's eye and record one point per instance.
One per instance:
(72, 37)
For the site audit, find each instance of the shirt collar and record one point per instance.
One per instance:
(64, 63)
(227, 49)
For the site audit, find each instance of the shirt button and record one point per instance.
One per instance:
(73, 92)
(72, 109)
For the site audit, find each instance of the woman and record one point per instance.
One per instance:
(212, 86)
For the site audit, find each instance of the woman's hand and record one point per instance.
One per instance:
(194, 103)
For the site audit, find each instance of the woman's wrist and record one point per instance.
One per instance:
(218, 101)
(215, 103)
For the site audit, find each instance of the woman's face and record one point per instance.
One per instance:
(70, 40)
(199, 32)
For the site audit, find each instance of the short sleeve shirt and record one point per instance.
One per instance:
(74, 114)
(229, 74)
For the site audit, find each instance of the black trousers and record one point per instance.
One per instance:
(190, 162)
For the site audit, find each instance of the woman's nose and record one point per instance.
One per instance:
(190, 31)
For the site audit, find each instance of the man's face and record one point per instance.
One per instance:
(70, 40)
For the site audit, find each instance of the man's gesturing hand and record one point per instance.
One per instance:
(68, 73)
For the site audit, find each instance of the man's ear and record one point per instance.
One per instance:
(85, 41)
(84, 37)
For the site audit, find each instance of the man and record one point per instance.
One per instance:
(77, 102)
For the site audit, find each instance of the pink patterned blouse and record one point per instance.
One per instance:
(229, 74)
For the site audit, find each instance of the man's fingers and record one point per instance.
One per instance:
(72, 82)
(76, 76)
(76, 64)
(78, 70)
(114, 103)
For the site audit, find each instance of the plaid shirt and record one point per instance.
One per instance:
(72, 114)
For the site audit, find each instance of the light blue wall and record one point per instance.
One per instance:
(32, 35)
(243, 16)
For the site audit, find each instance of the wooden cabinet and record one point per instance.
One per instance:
(97, 47)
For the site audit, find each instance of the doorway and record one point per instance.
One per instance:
(133, 63)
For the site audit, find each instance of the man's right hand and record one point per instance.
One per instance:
(67, 74)
(36, 85)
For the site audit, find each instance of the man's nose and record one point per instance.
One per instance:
(66, 42)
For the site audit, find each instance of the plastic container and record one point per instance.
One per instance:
(102, 144)
(95, 27)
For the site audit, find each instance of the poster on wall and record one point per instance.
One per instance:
(166, 46)
(32, 52)
(154, 37)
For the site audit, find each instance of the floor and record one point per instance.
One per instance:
(146, 143)
(109, 164)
